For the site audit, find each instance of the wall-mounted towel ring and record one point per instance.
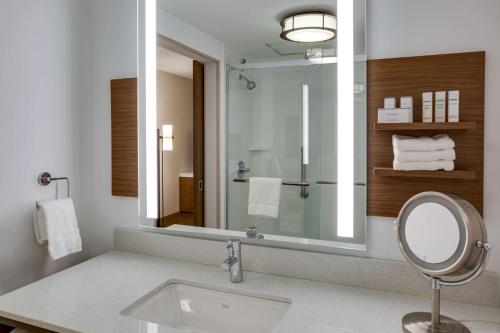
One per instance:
(45, 179)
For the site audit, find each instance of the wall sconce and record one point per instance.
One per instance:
(167, 137)
(165, 142)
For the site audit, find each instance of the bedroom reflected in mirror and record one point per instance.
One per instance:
(175, 79)
(260, 122)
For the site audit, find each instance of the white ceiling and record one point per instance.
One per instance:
(244, 25)
(234, 21)
(174, 63)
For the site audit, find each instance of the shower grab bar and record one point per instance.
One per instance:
(285, 182)
(328, 182)
(299, 183)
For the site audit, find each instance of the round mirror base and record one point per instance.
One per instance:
(420, 322)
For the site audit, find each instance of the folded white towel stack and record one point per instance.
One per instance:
(423, 153)
(55, 222)
(425, 156)
(423, 143)
(264, 197)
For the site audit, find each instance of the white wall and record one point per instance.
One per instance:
(175, 106)
(112, 54)
(398, 28)
(40, 103)
(188, 35)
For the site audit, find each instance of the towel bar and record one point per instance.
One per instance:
(285, 182)
(300, 183)
(45, 179)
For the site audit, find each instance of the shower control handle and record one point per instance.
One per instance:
(242, 169)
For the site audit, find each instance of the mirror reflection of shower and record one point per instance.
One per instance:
(250, 84)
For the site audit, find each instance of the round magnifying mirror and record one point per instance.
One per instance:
(443, 237)
(432, 233)
(438, 233)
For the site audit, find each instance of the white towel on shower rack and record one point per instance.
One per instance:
(55, 222)
(264, 197)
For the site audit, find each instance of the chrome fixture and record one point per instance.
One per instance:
(45, 179)
(252, 233)
(321, 56)
(285, 182)
(445, 239)
(242, 169)
(250, 84)
(300, 183)
(304, 194)
(314, 53)
(232, 263)
(309, 27)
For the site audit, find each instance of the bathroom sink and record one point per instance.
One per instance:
(195, 308)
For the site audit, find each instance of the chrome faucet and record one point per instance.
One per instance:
(232, 263)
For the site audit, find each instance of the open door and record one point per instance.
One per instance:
(198, 143)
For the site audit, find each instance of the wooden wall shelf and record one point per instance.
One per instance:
(464, 125)
(388, 190)
(455, 174)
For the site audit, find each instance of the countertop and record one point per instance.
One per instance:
(90, 296)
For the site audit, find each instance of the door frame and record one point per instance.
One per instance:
(199, 143)
(213, 175)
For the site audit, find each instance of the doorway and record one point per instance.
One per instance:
(180, 132)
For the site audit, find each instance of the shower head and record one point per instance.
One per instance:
(250, 84)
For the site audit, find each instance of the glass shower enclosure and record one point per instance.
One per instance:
(282, 122)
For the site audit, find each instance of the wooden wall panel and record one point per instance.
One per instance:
(412, 76)
(124, 158)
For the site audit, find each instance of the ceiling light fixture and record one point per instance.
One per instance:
(309, 27)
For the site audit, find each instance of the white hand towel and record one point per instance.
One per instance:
(424, 166)
(55, 221)
(424, 143)
(424, 156)
(264, 197)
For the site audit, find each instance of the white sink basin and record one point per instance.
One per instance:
(195, 308)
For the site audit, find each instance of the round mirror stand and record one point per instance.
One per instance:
(434, 322)
(465, 264)
(417, 322)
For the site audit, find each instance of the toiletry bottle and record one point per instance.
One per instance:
(427, 107)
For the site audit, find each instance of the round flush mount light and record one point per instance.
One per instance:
(308, 27)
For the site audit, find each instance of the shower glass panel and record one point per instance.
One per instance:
(265, 127)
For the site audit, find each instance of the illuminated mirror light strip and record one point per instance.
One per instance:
(345, 119)
(151, 139)
(305, 124)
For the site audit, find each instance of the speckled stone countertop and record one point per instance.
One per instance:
(89, 298)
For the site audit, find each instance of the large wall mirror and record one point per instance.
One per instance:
(254, 121)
